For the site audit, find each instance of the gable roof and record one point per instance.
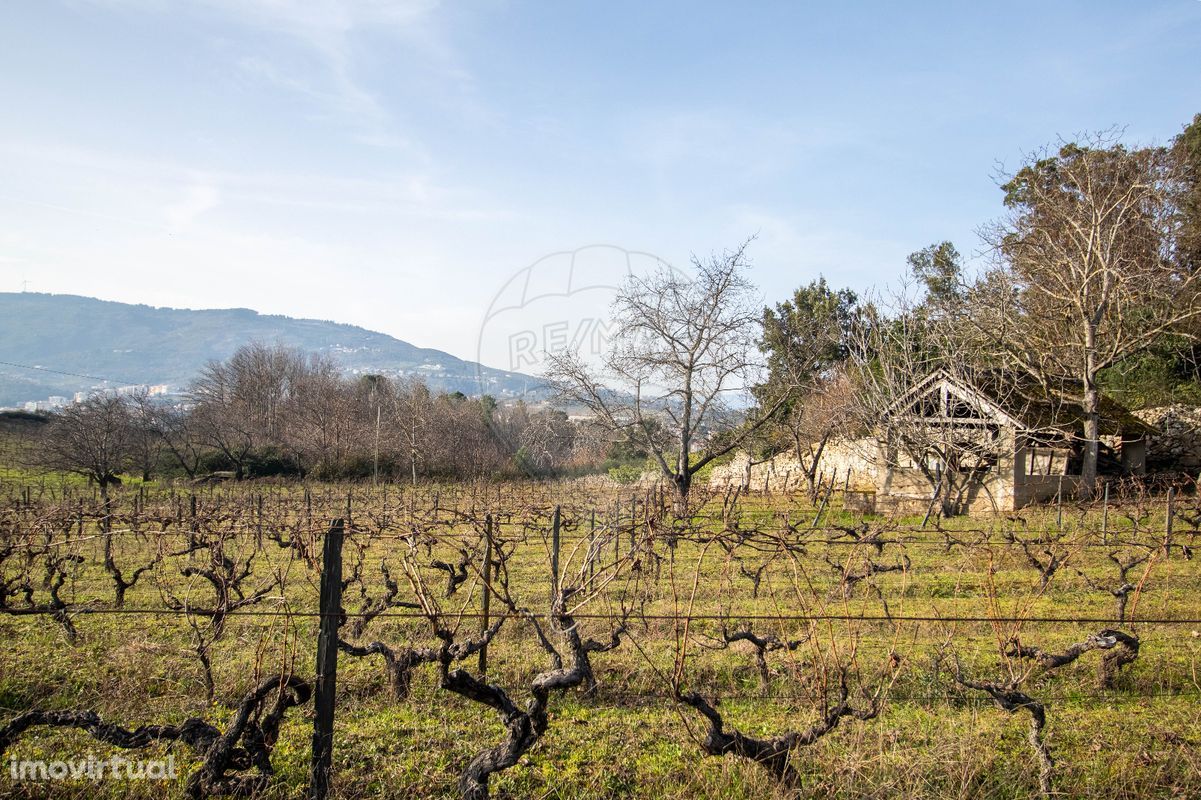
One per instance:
(1006, 400)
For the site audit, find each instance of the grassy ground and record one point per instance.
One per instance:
(1138, 738)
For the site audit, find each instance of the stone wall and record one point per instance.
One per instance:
(1178, 444)
(785, 473)
(859, 466)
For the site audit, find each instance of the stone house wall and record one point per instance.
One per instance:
(1178, 444)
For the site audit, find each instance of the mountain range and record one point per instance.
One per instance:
(57, 344)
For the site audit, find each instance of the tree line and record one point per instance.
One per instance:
(1090, 285)
(271, 410)
(1090, 282)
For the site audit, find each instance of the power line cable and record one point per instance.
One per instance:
(59, 372)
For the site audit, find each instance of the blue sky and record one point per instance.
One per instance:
(393, 164)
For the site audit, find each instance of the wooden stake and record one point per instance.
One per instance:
(327, 663)
(554, 556)
(484, 621)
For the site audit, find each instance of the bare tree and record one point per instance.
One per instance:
(176, 430)
(93, 438)
(681, 348)
(319, 425)
(221, 417)
(811, 422)
(145, 442)
(1086, 272)
(896, 349)
(412, 408)
(250, 402)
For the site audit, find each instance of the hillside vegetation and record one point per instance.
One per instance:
(134, 344)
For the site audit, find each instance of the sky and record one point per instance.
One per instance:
(395, 164)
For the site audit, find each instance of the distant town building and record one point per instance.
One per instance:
(50, 404)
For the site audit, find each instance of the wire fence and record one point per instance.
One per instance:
(631, 530)
(896, 619)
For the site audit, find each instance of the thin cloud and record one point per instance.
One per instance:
(197, 199)
(325, 30)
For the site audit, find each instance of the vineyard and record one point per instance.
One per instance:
(570, 640)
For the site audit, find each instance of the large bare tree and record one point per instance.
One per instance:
(412, 408)
(899, 345)
(245, 404)
(145, 440)
(226, 416)
(890, 354)
(320, 420)
(1087, 271)
(175, 428)
(95, 438)
(682, 348)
